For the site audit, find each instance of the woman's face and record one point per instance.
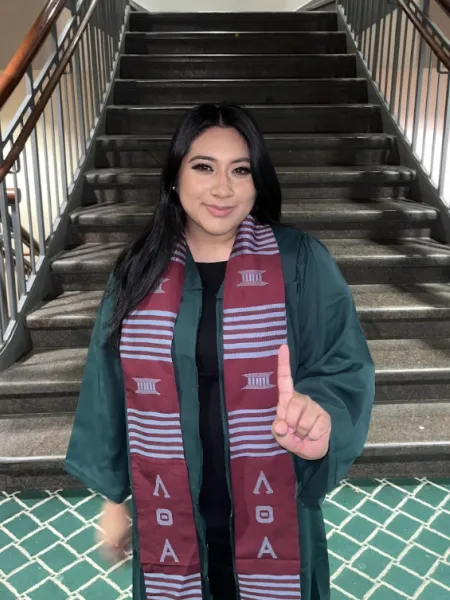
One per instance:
(215, 183)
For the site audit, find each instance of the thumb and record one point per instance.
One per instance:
(285, 383)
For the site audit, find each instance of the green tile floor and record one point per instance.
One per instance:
(388, 540)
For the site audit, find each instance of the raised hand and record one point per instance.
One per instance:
(302, 426)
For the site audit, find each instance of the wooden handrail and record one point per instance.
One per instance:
(33, 42)
(442, 56)
(40, 105)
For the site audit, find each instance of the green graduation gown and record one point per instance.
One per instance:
(330, 362)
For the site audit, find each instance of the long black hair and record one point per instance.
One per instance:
(139, 267)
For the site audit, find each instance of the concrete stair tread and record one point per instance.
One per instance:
(254, 81)
(304, 174)
(97, 255)
(418, 250)
(219, 62)
(79, 308)
(182, 108)
(410, 424)
(391, 426)
(118, 213)
(310, 138)
(70, 310)
(153, 88)
(35, 436)
(397, 299)
(146, 151)
(212, 56)
(218, 16)
(411, 358)
(227, 41)
(224, 34)
(288, 117)
(58, 369)
(229, 21)
(63, 366)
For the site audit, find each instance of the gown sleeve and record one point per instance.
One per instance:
(97, 452)
(334, 367)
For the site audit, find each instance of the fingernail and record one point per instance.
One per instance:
(280, 434)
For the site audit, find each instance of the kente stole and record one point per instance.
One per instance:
(266, 533)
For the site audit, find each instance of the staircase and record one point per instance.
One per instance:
(342, 182)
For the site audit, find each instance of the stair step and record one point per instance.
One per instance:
(407, 371)
(411, 440)
(276, 118)
(43, 382)
(403, 311)
(411, 370)
(405, 261)
(138, 151)
(386, 312)
(403, 440)
(263, 91)
(298, 183)
(389, 219)
(234, 22)
(245, 42)
(32, 451)
(361, 261)
(248, 66)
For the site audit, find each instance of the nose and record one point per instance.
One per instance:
(222, 187)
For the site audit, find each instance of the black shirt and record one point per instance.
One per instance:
(215, 503)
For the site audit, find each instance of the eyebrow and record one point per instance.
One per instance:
(210, 158)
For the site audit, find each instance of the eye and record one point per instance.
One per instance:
(202, 167)
(242, 171)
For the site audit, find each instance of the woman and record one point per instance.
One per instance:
(228, 385)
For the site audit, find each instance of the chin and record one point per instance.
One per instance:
(220, 229)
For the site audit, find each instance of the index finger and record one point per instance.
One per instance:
(285, 383)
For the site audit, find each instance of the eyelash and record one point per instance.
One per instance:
(205, 167)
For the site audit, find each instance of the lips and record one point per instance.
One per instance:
(219, 211)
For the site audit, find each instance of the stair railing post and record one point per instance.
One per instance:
(377, 38)
(8, 297)
(34, 143)
(58, 124)
(18, 243)
(445, 142)
(418, 99)
(78, 89)
(398, 30)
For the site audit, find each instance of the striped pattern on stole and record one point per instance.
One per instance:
(267, 555)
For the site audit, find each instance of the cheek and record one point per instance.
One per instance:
(248, 195)
(191, 191)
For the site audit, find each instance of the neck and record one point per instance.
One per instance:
(209, 248)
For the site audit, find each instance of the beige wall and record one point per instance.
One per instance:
(440, 18)
(16, 18)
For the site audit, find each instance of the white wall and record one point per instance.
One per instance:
(220, 5)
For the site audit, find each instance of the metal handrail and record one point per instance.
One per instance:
(427, 31)
(43, 148)
(29, 48)
(408, 60)
(42, 102)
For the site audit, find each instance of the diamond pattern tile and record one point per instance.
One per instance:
(388, 540)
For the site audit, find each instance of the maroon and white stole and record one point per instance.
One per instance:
(263, 481)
